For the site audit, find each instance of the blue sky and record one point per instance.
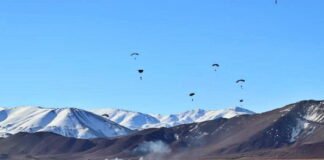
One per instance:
(76, 53)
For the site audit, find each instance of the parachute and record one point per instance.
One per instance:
(241, 102)
(240, 82)
(215, 66)
(192, 95)
(135, 55)
(141, 71)
(105, 115)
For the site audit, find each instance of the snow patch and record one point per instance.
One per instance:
(129, 119)
(302, 126)
(315, 114)
(287, 109)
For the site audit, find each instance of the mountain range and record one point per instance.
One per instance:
(69, 122)
(139, 121)
(295, 131)
(78, 123)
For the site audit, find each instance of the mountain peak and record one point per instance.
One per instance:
(138, 121)
(70, 122)
(193, 111)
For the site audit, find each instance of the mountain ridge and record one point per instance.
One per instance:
(77, 123)
(138, 121)
(70, 122)
(268, 135)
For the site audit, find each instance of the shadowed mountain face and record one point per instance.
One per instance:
(294, 131)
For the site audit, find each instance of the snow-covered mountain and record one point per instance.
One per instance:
(129, 119)
(69, 122)
(137, 120)
(73, 122)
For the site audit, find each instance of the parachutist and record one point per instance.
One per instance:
(135, 55)
(241, 82)
(141, 71)
(215, 66)
(192, 95)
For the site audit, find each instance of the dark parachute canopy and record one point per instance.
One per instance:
(241, 102)
(141, 71)
(105, 115)
(192, 95)
(135, 55)
(240, 81)
(215, 66)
